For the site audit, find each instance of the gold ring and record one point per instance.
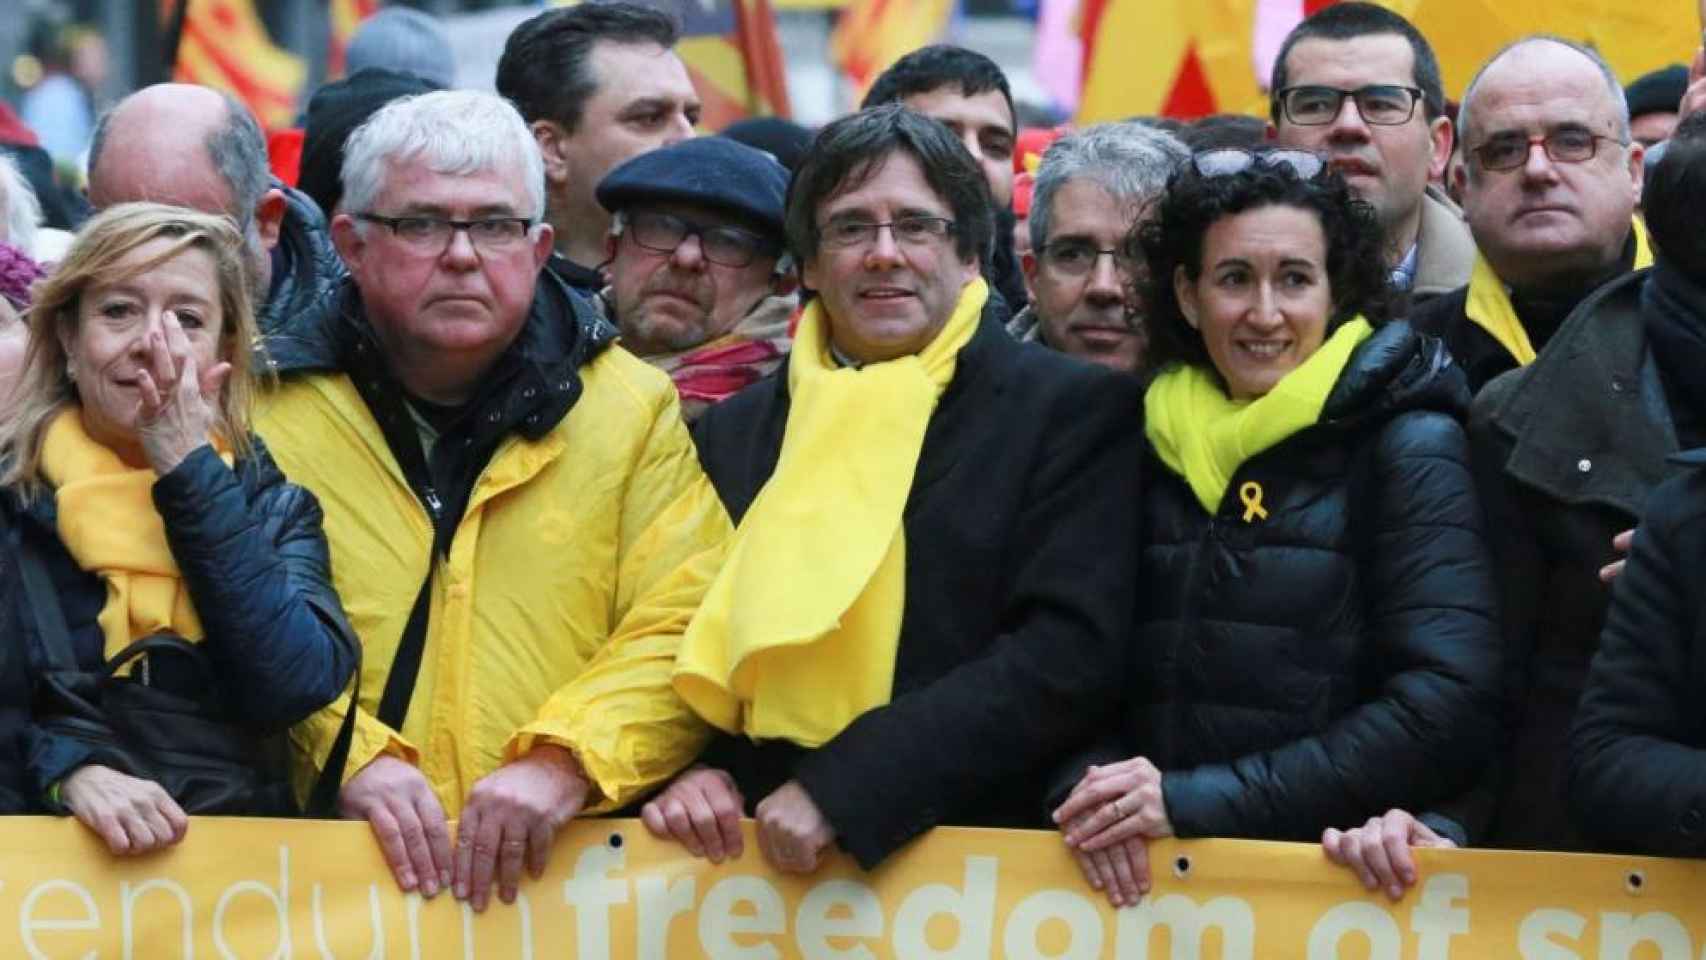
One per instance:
(1118, 813)
(514, 843)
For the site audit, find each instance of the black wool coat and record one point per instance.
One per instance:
(1021, 541)
(1339, 656)
(1637, 755)
(253, 556)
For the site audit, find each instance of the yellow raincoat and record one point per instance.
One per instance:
(576, 567)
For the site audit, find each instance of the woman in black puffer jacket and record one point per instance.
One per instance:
(130, 481)
(1317, 638)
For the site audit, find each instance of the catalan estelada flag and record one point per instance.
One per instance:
(346, 16)
(731, 52)
(872, 34)
(1188, 59)
(225, 46)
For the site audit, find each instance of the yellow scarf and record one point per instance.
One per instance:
(108, 522)
(1489, 303)
(797, 635)
(1204, 435)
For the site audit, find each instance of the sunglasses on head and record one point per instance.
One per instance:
(1226, 161)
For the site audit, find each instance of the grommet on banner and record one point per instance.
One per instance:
(616, 841)
(1635, 882)
(1182, 867)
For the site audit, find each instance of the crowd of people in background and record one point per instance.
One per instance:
(1334, 477)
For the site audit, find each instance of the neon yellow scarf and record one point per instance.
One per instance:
(108, 522)
(1204, 435)
(1489, 303)
(797, 635)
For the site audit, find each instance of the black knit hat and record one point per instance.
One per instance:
(1657, 92)
(712, 171)
(333, 114)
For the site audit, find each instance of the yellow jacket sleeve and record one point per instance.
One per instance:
(314, 737)
(621, 716)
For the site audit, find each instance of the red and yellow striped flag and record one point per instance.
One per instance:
(872, 34)
(225, 46)
(346, 16)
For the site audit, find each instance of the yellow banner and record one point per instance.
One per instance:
(281, 889)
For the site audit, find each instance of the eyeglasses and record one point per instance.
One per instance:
(907, 231)
(433, 234)
(1380, 104)
(1227, 161)
(725, 246)
(1507, 151)
(1077, 258)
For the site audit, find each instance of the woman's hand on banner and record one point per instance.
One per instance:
(792, 831)
(130, 816)
(1378, 852)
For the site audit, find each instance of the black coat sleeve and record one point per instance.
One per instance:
(259, 573)
(1421, 732)
(1048, 683)
(1636, 776)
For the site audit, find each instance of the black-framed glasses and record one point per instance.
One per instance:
(1507, 151)
(1380, 104)
(433, 234)
(907, 231)
(726, 246)
(1226, 161)
(1077, 258)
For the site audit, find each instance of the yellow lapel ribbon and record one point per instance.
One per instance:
(798, 634)
(1204, 436)
(108, 523)
(1489, 303)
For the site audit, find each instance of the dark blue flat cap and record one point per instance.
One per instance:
(711, 171)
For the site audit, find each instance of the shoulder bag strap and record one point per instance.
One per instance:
(44, 606)
(406, 666)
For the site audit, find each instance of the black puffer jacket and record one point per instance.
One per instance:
(1636, 779)
(1339, 656)
(306, 269)
(254, 558)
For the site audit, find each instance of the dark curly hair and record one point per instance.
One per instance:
(1357, 272)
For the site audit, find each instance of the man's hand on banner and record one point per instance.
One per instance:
(1121, 872)
(407, 819)
(792, 831)
(1378, 852)
(513, 814)
(701, 811)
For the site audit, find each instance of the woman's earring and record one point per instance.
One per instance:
(70, 372)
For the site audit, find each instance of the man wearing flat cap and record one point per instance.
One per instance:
(699, 284)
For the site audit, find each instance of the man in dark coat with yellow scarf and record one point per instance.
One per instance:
(930, 588)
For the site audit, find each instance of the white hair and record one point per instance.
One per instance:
(22, 209)
(454, 132)
(1130, 161)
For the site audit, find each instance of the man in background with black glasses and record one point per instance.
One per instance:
(699, 284)
(1094, 185)
(1358, 84)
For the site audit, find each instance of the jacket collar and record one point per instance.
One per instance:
(306, 267)
(1580, 419)
(532, 387)
(1445, 250)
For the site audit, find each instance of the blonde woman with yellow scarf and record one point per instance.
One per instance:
(131, 482)
(929, 589)
(1316, 641)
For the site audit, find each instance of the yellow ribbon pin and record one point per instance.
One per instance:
(1251, 496)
